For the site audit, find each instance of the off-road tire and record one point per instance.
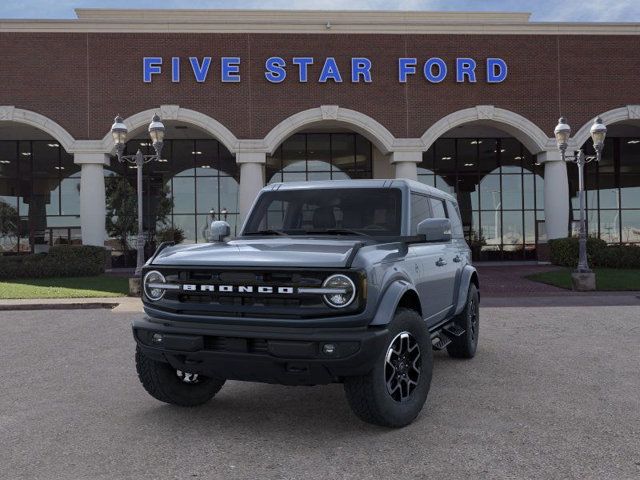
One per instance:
(465, 345)
(162, 382)
(368, 396)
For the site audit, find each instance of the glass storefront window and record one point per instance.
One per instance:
(613, 190)
(39, 195)
(500, 193)
(320, 156)
(630, 222)
(195, 181)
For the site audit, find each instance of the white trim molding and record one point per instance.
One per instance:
(374, 131)
(617, 115)
(9, 113)
(512, 123)
(312, 21)
(177, 113)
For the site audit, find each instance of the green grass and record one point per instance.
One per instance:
(607, 279)
(73, 287)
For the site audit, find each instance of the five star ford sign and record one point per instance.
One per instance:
(277, 69)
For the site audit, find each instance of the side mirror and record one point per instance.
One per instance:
(219, 230)
(435, 229)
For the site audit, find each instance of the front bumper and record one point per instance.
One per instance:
(288, 356)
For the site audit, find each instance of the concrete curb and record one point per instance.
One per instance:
(57, 306)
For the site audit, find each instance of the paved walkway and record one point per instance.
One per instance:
(510, 281)
(552, 393)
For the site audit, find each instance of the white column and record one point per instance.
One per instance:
(556, 194)
(92, 197)
(406, 163)
(251, 178)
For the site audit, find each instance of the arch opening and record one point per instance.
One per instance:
(498, 185)
(39, 190)
(331, 117)
(196, 181)
(612, 186)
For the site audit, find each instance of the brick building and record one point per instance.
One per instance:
(463, 101)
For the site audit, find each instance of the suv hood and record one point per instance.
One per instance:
(262, 252)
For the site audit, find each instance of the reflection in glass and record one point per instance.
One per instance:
(320, 156)
(630, 226)
(491, 175)
(512, 192)
(39, 191)
(610, 226)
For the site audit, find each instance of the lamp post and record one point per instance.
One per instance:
(562, 133)
(156, 132)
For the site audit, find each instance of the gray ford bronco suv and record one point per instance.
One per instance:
(353, 281)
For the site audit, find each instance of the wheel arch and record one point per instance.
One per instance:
(400, 293)
(469, 276)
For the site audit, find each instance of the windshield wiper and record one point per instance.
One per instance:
(267, 232)
(337, 231)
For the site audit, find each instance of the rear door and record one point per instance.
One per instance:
(445, 266)
(429, 279)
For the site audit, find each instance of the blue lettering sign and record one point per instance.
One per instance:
(175, 69)
(150, 66)
(406, 66)
(303, 66)
(434, 69)
(428, 70)
(331, 71)
(275, 69)
(496, 70)
(230, 67)
(360, 67)
(465, 67)
(200, 71)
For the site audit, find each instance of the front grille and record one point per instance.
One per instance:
(233, 344)
(251, 304)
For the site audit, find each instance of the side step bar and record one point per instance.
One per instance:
(441, 338)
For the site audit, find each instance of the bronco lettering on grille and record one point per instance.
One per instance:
(236, 289)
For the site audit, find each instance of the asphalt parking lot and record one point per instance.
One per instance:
(553, 393)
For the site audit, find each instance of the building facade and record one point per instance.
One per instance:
(466, 102)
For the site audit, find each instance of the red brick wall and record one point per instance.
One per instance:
(82, 80)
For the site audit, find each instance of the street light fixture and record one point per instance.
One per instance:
(156, 132)
(598, 133)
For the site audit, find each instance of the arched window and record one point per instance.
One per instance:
(39, 196)
(499, 190)
(196, 180)
(612, 188)
(320, 156)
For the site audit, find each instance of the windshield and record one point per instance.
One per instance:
(328, 211)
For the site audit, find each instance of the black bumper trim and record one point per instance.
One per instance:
(273, 355)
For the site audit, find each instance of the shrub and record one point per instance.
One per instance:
(619, 256)
(61, 261)
(565, 252)
(170, 234)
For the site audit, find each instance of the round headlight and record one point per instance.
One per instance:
(151, 279)
(345, 291)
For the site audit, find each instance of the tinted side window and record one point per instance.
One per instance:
(437, 206)
(456, 222)
(419, 210)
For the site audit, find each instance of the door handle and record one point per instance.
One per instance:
(457, 259)
(441, 262)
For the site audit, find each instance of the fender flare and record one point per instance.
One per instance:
(468, 272)
(389, 302)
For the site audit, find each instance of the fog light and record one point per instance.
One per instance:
(157, 338)
(329, 348)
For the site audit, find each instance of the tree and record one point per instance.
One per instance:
(9, 223)
(122, 210)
